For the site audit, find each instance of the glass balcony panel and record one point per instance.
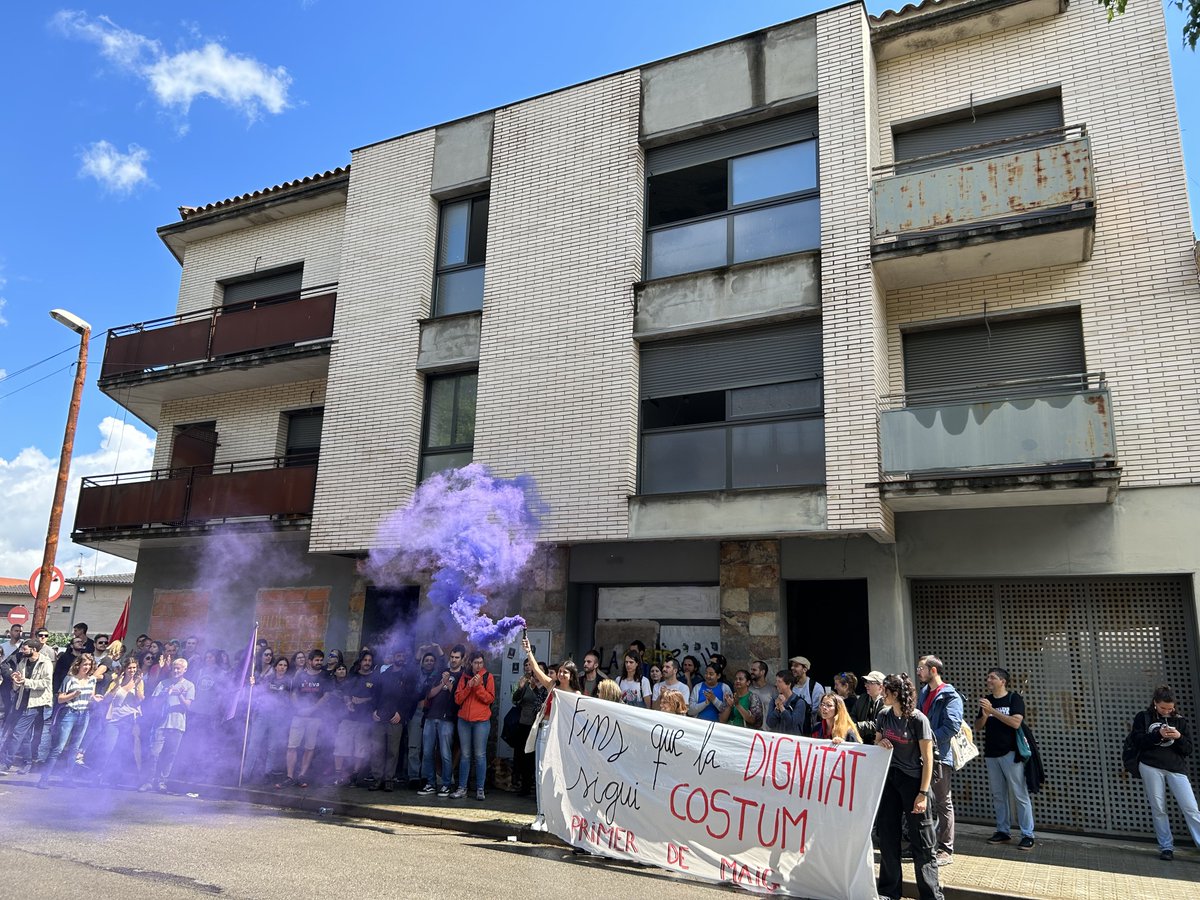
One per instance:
(678, 461)
(688, 248)
(776, 230)
(777, 454)
(460, 291)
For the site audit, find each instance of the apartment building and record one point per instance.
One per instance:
(854, 337)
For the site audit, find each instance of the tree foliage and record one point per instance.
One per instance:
(1190, 8)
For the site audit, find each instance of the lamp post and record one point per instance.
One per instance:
(41, 603)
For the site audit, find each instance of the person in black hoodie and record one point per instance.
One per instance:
(395, 697)
(1161, 737)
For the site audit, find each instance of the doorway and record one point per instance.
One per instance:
(389, 614)
(829, 622)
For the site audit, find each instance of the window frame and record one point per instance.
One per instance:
(426, 451)
(731, 211)
(301, 457)
(440, 271)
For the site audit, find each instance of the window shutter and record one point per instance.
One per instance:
(764, 135)
(270, 285)
(732, 359)
(304, 430)
(980, 129)
(955, 358)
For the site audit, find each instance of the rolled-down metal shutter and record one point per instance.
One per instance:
(269, 285)
(714, 362)
(304, 430)
(1002, 350)
(979, 129)
(764, 135)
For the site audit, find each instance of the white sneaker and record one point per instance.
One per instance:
(538, 824)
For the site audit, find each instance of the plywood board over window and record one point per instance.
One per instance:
(292, 619)
(176, 614)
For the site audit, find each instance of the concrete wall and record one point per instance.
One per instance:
(1139, 293)
(462, 155)
(313, 238)
(557, 363)
(374, 400)
(646, 562)
(449, 342)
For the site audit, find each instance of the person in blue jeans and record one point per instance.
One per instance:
(1161, 737)
(78, 695)
(441, 720)
(475, 695)
(1000, 718)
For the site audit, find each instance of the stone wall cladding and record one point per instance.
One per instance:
(750, 603)
(313, 238)
(558, 369)
(852, 308)
(372, 431)
(1139, 294)
(249, 423)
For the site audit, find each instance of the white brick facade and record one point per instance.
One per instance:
(558, 366)
(370, 443)
(1139, 296)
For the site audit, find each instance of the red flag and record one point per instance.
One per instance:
(118, 632)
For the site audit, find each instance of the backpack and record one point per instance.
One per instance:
(1130, 754)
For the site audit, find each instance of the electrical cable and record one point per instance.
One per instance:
(8, 375)
(32, 383)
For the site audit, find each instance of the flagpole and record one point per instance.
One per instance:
(249, 703)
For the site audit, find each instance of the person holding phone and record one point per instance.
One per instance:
(1161, 736)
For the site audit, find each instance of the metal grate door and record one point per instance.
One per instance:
(1086, 655)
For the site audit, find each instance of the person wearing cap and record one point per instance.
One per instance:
(868, 705)
(807, 688)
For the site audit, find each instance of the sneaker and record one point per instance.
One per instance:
(286, 783)
(459, 793)
(943, 859)
(427, 790)
(444, 791)
(25, 769)
(1167, 855)
(479, 794)
(388, 787)
(145, 787)
(162, 787)
(538, 824)
(1026, 843)
(1000, 837)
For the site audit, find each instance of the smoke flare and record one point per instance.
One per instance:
(475, 532)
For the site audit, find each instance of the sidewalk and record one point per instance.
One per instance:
(1060, 867)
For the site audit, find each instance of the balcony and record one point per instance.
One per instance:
(1025, 442)
(120, 511)
(1021, 203)
(248, 345)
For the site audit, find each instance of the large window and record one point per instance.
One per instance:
(734, 197)
(449, 436)
(733, 411)
(461, 253)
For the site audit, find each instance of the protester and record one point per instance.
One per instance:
(710, 696)
(671, 683)
(765, 689)
(78, 695)
(942, 705)
(1000, 717)
(808, 688)
(566, 679)
(655, 675)
(845, 685)
(834, 722)
(868, 706)
(591, 675)
(529, 697)
(122, 704)
(441, 720)
(689, 673)
(270, 712)
(475, 695)
(1160, 736)
(904, 730)
(174, 697)
(608, 690)
(672, 702)
(422, 685)
(745, 710)
(308, 684)
(32, 674)
(394, 700)
(363, 680)
(634, 688)
(335, 705)
(788, 713)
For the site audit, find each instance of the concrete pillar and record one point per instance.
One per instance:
(750, 603)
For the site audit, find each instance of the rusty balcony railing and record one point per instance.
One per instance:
(276, 488)
(226, 331)
(1035, 173)
(1022, 424)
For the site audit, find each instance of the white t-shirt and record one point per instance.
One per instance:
(678, 687)
(633, 690)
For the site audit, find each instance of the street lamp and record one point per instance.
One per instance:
(41, 603)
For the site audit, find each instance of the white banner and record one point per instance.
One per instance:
(768, 812)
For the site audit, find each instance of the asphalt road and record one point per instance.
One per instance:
(72, 843)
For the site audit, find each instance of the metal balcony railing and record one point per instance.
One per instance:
(1022, 424)
(274, 488)
(224, 331)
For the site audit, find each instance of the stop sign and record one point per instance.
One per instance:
(18, 615)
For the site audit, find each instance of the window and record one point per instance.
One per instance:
(303, 444)
(461, 251)
(734, 197)
(957, 138)
(733, 411)
(449, 422)
(998, 359)
(272, 286)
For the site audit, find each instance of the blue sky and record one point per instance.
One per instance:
(116, 114)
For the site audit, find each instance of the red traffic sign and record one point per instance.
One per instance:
(18, 615)
(57, 582)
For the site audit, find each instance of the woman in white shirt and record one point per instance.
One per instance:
(77, 694)
(635, 687)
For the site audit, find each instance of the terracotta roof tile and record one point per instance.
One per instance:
(187, 212)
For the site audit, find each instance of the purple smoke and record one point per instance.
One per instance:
(475, 532)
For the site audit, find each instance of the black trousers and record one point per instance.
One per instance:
(899, 793)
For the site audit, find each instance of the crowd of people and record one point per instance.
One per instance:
(176, 711)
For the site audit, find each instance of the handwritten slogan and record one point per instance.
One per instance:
(771, 813)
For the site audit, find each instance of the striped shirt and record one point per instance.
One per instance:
(86, 688)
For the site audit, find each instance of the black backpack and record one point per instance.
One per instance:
(1130, 753)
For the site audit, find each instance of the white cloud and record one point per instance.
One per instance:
(27, 484)
(176, 79)
(118, 172)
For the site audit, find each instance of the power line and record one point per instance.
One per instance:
(8, 375)
(65, 368)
